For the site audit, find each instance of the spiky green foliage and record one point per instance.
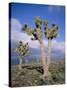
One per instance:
(52, 32)
(27, 29)
(22, 49)
(45, 22)
(37, 22)
(37, 32)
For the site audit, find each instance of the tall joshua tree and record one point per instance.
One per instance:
(37, 33)
(22, 50)
(50, 35)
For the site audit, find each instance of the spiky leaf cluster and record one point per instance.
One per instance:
(45, 23)
(37, 22)
(22, 49)
(37, 32)
(52, 32)
(27, 29)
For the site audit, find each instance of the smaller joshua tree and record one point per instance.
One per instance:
(50, 34)
(22, 50)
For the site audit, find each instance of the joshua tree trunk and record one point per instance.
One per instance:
(49, 53)
(42, 49)
(43, 59)
(20, 63)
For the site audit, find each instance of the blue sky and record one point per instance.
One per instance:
(25, 13)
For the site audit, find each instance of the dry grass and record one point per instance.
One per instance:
(30, 75)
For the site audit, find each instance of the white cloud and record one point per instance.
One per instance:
(20, 36)
(15, 24)
(17, 35)
(60, 46)
(56, 45)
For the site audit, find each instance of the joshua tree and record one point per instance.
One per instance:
(50, 35)
(22, 50)
(37, 33)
